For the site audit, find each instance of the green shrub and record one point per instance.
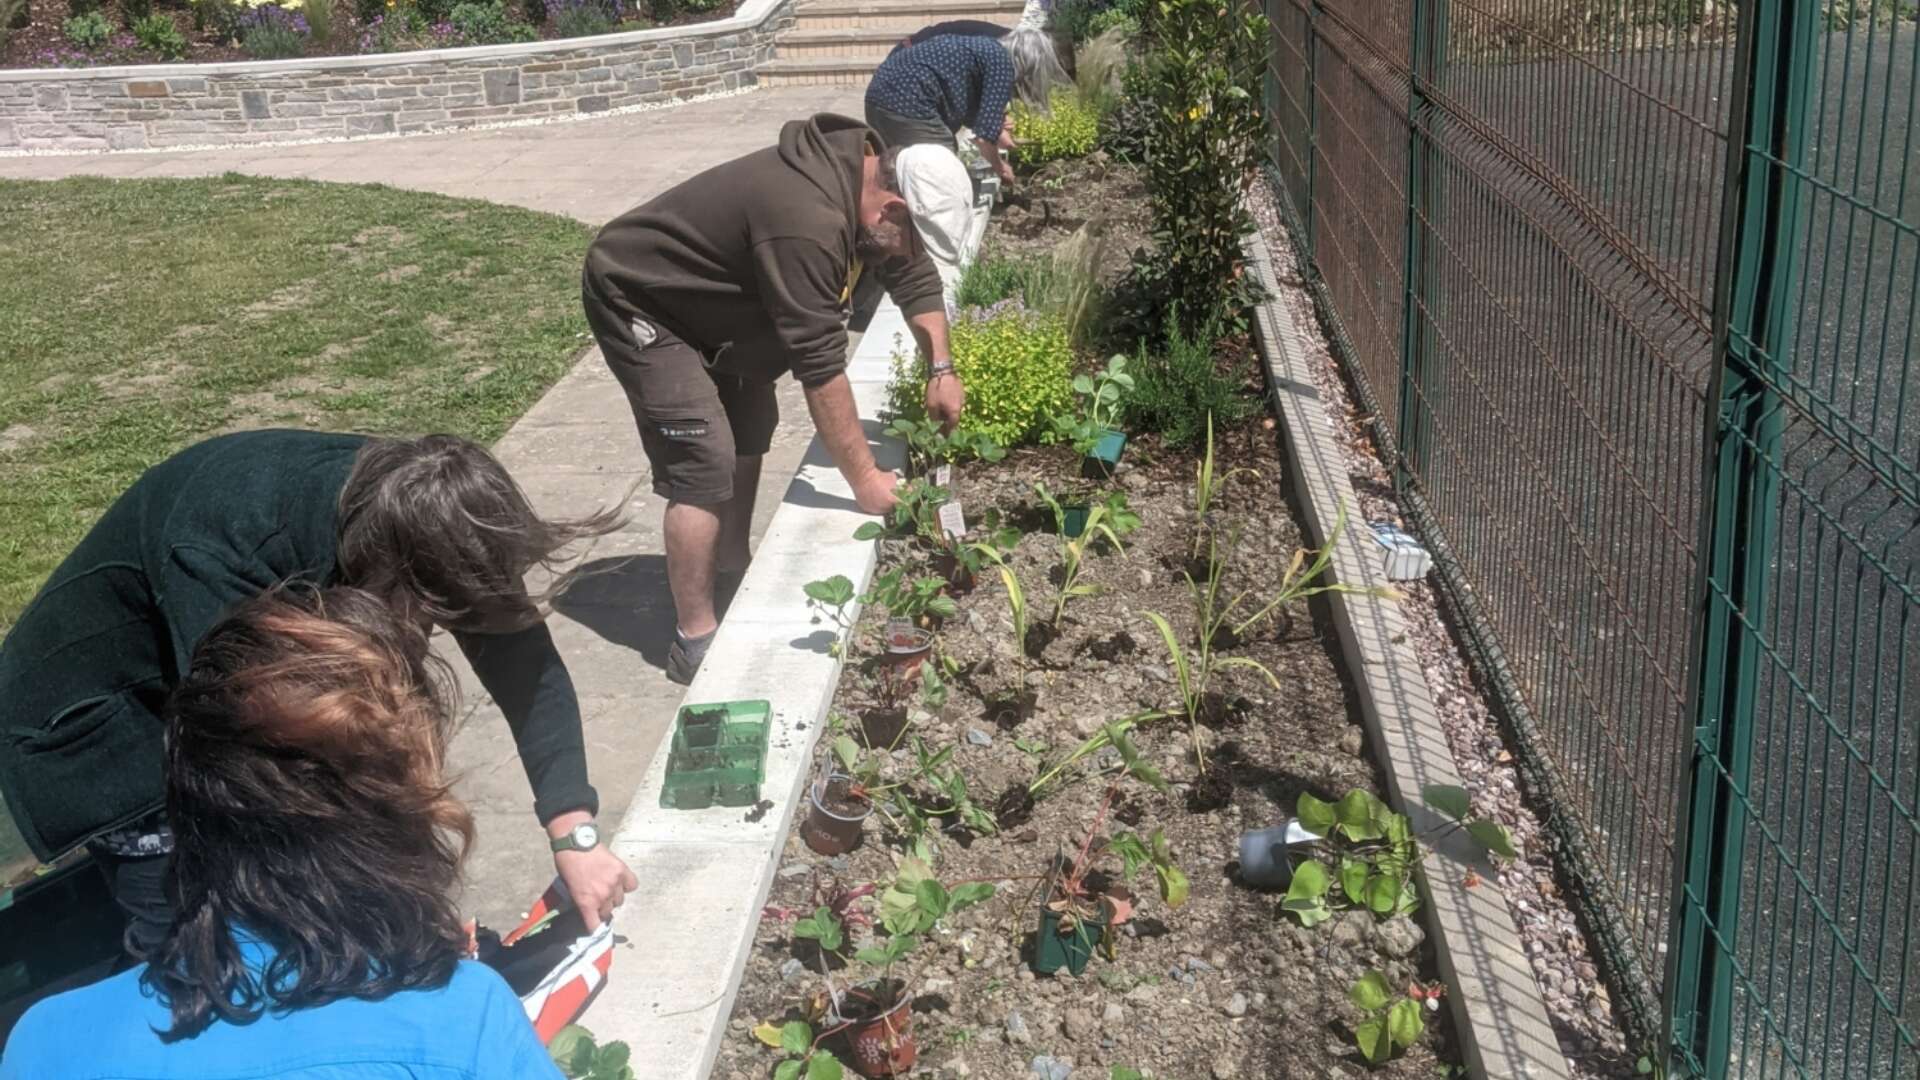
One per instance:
(1077, 20)
(159, 35)
(1017, 368)
(1124, 129)
(1177, 387)
(366, 12)
(1097, 69)
(992, 278)
(487, 24)
(272, 41)
(1204, 85)
(322, 21)
(13, 16)
(1114, 19)
(89, 31)
(582, 18)
(132, 11)
(1067, 129)
(81, 7)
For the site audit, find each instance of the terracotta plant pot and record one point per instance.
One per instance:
(835, 817)
(880, 1029)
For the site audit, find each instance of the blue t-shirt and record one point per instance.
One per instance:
(964, 81)
(473, 1028)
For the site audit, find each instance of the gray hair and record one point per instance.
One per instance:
(1036, 64)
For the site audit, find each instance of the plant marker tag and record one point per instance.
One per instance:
(952, 520)
(943, 475)
(1299, 834)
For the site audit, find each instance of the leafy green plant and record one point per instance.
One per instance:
(830, 596)
(132, 11)
(1208, 482)
(577, 1057)
(915, 515)
(1194, 676)
(158, 34)
(1016, 602)
(89, 31)
(1391, 1026)
(1115, 21)
(1369, 852)
(1117, 734)
(1072, 899)
(908, 599)
(487, 23)
(1075, 19)
(1181, 388)
(1099, 395)
(1099, 63)
(1018, 369)
(581, 18)
(992, 278)
(804, 1059)
(271, 32)
(1073, 551)
(1067, 128)
(931, 447)
(321, 20)
(823, 929)
(1305, 568)
(1204, 79)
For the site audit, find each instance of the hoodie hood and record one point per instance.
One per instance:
(828, 149)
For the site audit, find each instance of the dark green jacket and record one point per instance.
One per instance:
(85, 672)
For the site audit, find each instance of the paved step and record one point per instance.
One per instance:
(841, 43)
(899, 15)
(823, 71)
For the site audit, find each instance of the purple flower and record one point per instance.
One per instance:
(274, 16)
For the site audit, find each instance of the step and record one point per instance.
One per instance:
(842, 43)
(822, 71)
(895, 15)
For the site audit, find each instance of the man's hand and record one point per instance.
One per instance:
(597, 880)
(945, 398)
(873, 493)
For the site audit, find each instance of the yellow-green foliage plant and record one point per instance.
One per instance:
(1069, 128)
(1016, 364)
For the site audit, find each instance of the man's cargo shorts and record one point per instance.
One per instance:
(693, 420)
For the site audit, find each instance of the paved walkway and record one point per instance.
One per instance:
(575, 450)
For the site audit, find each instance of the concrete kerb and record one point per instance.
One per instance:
(1497, 1005)
(686, 933)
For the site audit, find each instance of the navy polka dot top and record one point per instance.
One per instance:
(963, 81)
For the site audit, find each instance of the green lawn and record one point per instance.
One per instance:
(139, 316)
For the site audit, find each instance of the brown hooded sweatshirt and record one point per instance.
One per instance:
(752, 262)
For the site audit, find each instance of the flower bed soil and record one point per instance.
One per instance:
(1221, 986)
(43, 43)
(1051, 202)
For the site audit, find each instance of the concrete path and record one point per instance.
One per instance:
(575, 450)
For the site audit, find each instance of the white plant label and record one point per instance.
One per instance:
(952, 520)
(943, 475)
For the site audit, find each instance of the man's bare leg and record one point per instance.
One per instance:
(692, 535)
(736, 520)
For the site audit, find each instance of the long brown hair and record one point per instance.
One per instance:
(437, 527)
(309, 810)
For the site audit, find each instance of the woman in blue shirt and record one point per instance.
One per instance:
(316, 850)
(925, 92)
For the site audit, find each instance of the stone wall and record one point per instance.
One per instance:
(405, 93)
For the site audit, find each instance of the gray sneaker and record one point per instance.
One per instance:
(685, 654)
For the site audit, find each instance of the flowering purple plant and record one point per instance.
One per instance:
(274, 16)
(117, 50)
(558, 9)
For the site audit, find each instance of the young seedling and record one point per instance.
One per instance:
(804, 1059)
(915, 515)
(1099, 397)
(1194, 677)
(576, 1055)
(1370, 851)
(1072, 558)
(1072, 900)
(1207, 487)
(830, 597)
(1307, 567)
(931, 447)
(1390, 1026)
(1117, 735)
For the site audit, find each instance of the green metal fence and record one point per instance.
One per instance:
(1629, 289)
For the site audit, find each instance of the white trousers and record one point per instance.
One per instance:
(939, 193)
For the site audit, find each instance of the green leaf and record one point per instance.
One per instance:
(1173, 885)
(1315, 816)
(1494, 837)
(1310, 882)
(1376, 1044)
(1404, 1022)
(1121, 1072)
(768, 1032)
(836, 590)
(932, 898)
(788, 1070)
(1311, 913)
(970, 893)
(796, 1038)
(1370, 993)
(824, 1066)
(572, 1050)
(873, 955)
(1353, 879)
(868, 530)
(1644, 1066)
(1133, 854)
(1449, 799)
(1383, 894)
(1356, 814)
(847, 752)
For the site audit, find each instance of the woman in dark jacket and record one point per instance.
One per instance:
(434, 526)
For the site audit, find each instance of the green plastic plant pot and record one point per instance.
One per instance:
(1104, 458)
(1075, 521)
(1053, 950)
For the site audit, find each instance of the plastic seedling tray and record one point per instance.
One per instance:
(1105, 455)
(718, 755)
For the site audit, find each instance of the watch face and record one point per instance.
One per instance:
(586, 836)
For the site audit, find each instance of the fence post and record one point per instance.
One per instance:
(1426, 54)
(1753, 320)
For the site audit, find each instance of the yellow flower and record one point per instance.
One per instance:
(1193, 113)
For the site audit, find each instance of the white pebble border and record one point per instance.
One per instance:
(496, 125)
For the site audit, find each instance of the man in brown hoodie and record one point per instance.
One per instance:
(703, 296)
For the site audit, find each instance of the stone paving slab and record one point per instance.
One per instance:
(1497, 1005)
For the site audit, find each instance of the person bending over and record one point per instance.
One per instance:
(316, 852)
(705, 295)
(433, 526)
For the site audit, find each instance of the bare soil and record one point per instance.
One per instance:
(1052, 202)
(1222, 986)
